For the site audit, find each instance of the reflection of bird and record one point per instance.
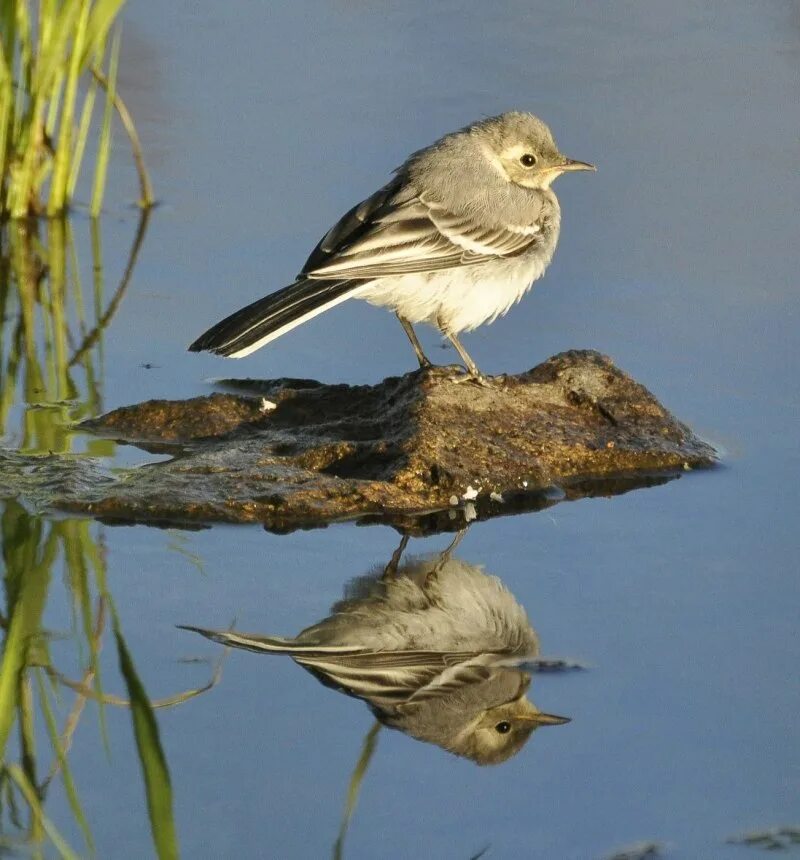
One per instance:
(432, 649)
(454, 240)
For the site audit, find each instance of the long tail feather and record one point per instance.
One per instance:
(270, 644)
(251, 642)
(264, 320)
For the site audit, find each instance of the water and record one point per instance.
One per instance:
(678, 258)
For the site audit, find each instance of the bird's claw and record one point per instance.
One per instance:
(474, 378)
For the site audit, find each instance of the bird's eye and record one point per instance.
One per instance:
(527, 160)
(503, 728)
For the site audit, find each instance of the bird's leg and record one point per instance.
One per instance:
(390, 571)
(446, 554)
(472, 368)
(423, 360)
(453, 544)
(465, 356)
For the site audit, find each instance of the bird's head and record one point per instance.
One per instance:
(482, 714)
(521, 148)
(502, 731)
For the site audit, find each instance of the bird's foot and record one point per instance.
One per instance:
(466, 376)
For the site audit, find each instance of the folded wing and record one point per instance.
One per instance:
(398, 232)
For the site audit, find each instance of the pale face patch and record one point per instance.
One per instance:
(530, 167)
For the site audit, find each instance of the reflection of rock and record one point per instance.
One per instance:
(774, 839)
(433, 649)
(410, 444)
(639, 851)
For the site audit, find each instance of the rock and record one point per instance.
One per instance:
(297, 453)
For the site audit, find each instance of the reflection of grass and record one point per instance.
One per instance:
(30, 550)
(51, 332)
(51, 341)
(179, 545)
(155, 772)
(354, 788)
(31, 688)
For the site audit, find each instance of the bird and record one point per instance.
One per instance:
(436, 647)
(455, 239)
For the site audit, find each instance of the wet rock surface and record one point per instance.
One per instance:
(415, 450)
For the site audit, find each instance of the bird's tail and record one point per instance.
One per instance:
(251, 327)
(271, 644)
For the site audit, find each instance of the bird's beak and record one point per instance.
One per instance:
(551, 720)
(572, 164)
(545, 719)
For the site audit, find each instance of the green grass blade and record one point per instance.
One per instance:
(8, 35)
(58, 186)
(354, 788)
(53, 56)
(82, 137)
(28, 556)
(104, 145)
(12, 663)
(14, 812)
(6, 105)
(46, 48)
(66, 773)
(55, 102)
(26, 582)
(97, 558)
(151, 755)
(103, 15)
(24, 70)
(27, 734)
(29, 793)
(22, 187)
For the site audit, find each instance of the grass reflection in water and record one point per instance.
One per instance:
(51, 372)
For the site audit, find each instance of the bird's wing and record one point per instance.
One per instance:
(398, 231)
(378, 660)
(394, 678)
(453, 678)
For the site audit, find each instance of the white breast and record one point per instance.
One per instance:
(458, 299)
(462, 298)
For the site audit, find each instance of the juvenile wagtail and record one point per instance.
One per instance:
(454, 240)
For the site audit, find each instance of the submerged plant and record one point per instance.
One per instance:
(51, 65)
